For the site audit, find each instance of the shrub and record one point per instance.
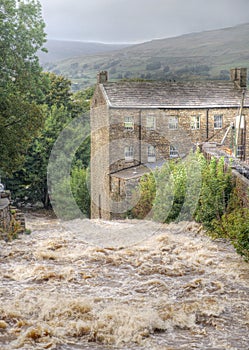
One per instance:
(235, 227)
(216, 189)
(147, 191)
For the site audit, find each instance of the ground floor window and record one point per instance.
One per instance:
(173, 152)
(129, 153)
(151, 154)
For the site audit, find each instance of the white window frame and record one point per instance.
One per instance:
(173, 152)
(129, 153)
(173, 123)
(195, 122)
(129, 123)
(151, 154)
(218, 121)
(150, 122)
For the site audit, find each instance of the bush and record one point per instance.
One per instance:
(216, 189)
(147, 191)
(235, 227)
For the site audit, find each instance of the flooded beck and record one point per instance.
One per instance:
(67, 287)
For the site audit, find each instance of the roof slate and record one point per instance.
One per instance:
(205, 94)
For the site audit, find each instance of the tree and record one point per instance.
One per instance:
(147, 193)
(171, 188)
(216, 189)
(29, 184)
(57, 90)
(22, 35)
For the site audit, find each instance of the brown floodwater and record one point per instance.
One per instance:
(122, 285)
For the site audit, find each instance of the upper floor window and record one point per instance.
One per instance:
(173, 123)
(151, 154)
(195, 122)
(129, 153)
(173, 152)
(218, 121)
(129, 123)
(150, 122)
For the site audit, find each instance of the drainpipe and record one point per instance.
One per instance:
(207, 124)
(140, 137)
(238, 130)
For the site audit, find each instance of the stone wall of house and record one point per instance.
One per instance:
(123, 195)
(162, 136)
(110, 137)
(100, 207)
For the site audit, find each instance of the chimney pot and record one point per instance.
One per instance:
(102, 77)
(239, 77)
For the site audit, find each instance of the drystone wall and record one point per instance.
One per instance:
(5, 213)
(11, 218)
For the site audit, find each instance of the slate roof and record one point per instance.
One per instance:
(205, 94)
(137, 171)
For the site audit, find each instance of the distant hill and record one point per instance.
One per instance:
(204, 55)
(59, 50)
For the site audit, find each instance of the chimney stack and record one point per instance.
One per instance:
(239, 77)
(102, 77)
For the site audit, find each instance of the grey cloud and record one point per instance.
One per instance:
(138, 20)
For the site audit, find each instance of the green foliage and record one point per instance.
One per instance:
(171, 193)
(178, 185)
(153, 65)
(56, 90)
(147, 191)
(71, 192)
(29, 184)
(215, 193)
(80, 189)
(235, 227)
(234, 224)
(22, 35)
(170, 188)
(196, 188)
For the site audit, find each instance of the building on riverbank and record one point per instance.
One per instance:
(136, 126)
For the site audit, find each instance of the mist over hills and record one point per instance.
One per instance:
(59, 50)
(203, 55)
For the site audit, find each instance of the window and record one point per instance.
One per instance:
(240, 152)
(129, 153)
(173, 123)
(173, 152)
(151, 154)
(195, 122)
(150, 122)
(129, 123)
(218, 121)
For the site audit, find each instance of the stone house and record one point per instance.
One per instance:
(136, 126)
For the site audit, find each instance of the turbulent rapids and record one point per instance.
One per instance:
(172, 289)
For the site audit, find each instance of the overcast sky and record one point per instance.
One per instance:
(138, 20)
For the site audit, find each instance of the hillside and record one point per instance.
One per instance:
(59, 50)
(204, 55)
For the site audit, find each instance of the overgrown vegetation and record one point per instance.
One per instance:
(29, 183)
(199, 190)
(34, 108)
(21, 114)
